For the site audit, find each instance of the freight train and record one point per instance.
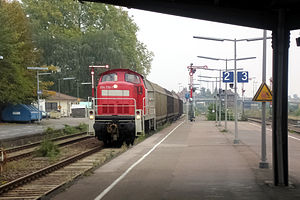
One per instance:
(128, 105)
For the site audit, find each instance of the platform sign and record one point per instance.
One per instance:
(243, 77)
(187, 95)
(263, 94)
(227, 77)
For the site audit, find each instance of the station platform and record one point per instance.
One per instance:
(185, 161)
(15, 130)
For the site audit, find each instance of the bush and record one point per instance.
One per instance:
(83, 127)
(49, 131)
(211, 113)
(69, 129)
(47, 149)
(297, 112)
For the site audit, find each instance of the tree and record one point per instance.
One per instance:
(17, 84)
(205, 93)
(295, 97)
(72, 36)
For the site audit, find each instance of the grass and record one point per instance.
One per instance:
(291, 131)
(224, 131)
(47, 149)
(70, 130)
(83, 127)
(67, 130)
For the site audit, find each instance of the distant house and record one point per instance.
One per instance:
(60, 102)
(230, 98)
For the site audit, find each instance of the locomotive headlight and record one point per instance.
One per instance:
(138, 115)
(115, 86)
(91, 115)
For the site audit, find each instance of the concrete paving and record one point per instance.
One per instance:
(14, 130)
(196, 161)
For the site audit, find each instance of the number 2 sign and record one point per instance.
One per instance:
(243, 77)
(227, 77)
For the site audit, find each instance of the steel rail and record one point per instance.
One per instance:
(291, 125)
(27, 146)
(26, 154)
(30, 177)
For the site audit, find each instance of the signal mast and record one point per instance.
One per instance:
(192, 69)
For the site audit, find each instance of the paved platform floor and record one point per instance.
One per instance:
(185, 161)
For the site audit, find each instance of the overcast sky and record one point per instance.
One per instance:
(171, 40)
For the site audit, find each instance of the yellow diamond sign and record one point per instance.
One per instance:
(263, 93)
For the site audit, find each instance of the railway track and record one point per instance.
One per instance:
(44, 181)
(15, 192)
(16, 153)
(293, 125)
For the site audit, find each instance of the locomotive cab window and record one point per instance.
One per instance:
(132, 78)
(109, 77)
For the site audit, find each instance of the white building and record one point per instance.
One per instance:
(60, 102)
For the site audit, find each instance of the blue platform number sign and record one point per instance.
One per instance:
(243, 77)
(187, 95)
(227, 77)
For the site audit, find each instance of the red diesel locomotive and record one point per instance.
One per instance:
(128, 105)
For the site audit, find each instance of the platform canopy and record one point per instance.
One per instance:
(251, 13)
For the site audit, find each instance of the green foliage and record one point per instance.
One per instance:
(72, 36)
(70, 129)
(211, 113)
(47, 149)
(295, 112)
(49, 131)
(83, 127)
(205, 93)
(16, 47)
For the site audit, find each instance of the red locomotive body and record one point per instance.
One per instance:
(119, 104)
(128, 105)
(120, 92)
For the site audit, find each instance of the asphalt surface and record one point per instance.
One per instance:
(250, 134)
(194, 161)
(14, 130)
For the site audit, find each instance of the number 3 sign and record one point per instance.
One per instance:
(243, 77)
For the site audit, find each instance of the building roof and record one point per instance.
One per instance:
(59, 96)
(252, 13)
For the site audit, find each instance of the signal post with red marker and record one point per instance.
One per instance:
(192, 69)
(93, 75)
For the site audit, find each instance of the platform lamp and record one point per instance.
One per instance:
(236, 140)
(38, 91)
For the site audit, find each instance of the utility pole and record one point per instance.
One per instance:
(216, 102)
(38, 92)
(263, 163)
(192, 69)
(226, 100)
(220, 102)
(236, 140)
